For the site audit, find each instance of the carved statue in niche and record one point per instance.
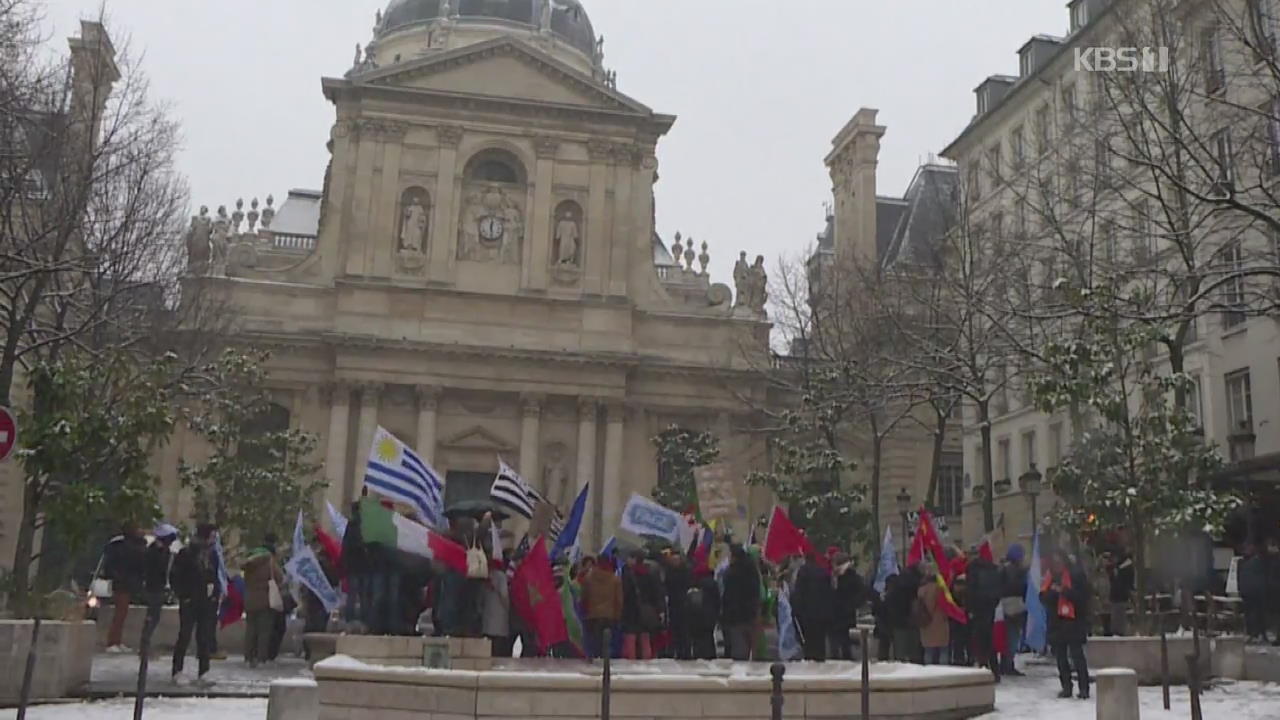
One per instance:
(555, 476)
(413, 220)
(566, 240)
(492, 227)
(198, 242)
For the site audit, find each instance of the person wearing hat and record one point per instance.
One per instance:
(155, 575)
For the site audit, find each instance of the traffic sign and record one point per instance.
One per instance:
(8, 433)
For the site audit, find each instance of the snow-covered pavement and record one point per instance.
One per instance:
(118, 674)
(1016, 699)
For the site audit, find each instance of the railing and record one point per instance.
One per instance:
(293, 242)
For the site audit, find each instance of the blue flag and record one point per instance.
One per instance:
(789, 647)
(888, 562)
(610, 547)
(569, 535)
(1037, 619)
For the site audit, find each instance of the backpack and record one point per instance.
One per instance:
(693, 599)
(921, 616)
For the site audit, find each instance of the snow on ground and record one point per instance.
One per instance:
(166, 709)
(116, 674)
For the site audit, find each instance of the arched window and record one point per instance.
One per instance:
(495, 166)
(257, 433)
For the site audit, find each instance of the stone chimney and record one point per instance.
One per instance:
(852, 163)
(93, 74)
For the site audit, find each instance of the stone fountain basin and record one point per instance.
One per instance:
(721, 690)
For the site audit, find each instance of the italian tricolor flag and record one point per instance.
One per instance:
(386, 527)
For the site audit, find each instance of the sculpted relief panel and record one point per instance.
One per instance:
(492, 225)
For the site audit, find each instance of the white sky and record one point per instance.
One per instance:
(759, 87)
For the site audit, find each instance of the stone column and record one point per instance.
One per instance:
(587, 463)
(1117, 693)
(444, 232)
(539, 224)
(428, 399)
(369, 395)
(531, 437)
(612, 490)
(335, 459)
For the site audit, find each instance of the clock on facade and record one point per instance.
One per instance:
(491, 228)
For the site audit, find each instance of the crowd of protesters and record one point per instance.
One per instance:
(657, 601)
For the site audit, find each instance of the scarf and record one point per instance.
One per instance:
(1066, 608)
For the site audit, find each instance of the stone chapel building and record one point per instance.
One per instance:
(480, 273)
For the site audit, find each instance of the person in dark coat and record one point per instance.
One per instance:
(678, 579)
(813, 605)
(850, 592)
(123, 563)
(1253, 593)
(1273, 586)
(740, 603)
(1065, 593)
(356, 563)
(643, 607)
(702, 612)
(1013, 599)
(1120, 593)
(982, 592)
(880, 611)
(194, 579)
(900, 598)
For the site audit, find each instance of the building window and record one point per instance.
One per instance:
(1021, 219)
(1233, 288)
(951, 485)
(1239, 402)
(1044, 129)
(1195, 401)
(1215, 77)
(1069, 104)
(993, 164)
(1143, 241)
(1024, 63)
(1109, 242)
(1055, 444)
(1224, 159)
(1240, 437)
(1017, 147)
(1001, 399)
(1079, 15)
(1029, 448)
(974, 184)
(1271, 112)
(1262, 17)
(1006, 460)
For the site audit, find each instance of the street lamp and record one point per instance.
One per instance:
(1029, 481)
(904, 507)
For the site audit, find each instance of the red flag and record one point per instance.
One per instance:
(534, 597)
(702, 551)
(784, 539)
(984, 550)
(449, 553)
(927, 540)
(332, 549)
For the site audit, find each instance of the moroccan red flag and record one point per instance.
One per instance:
(927, 541)
(784, 539)
(332, 549)
(535, 599)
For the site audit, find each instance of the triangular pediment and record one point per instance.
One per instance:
(477, 438)
(504, 68)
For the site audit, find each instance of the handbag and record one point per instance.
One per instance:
(477, 563)
(100, 587)
(275, 600)
(1013, 606)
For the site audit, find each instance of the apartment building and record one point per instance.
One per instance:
(1069, 159)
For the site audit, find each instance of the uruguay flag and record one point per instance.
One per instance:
(396, 472)
(1037, 620)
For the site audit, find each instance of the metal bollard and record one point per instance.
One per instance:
(777, 670)
(606, 680)
(1164, 664)
(866, 673)
(24, 696)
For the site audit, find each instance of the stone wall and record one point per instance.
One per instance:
(64, 659)
(352, 690)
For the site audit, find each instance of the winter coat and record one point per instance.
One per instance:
(849, 595)
(642, 599)
(1253, 576)
(1013, 581)
(899, 599)
(354, 557)
(602, 595)
(1062, 629)
(937, 632)
(677, 580)
(496, 614)
(983, 585)
(702, 604)
(813, 599)
(123, 563)
(155, 564)
(740, 599)
(1121, 579)
(195, 573)
(259, 570)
